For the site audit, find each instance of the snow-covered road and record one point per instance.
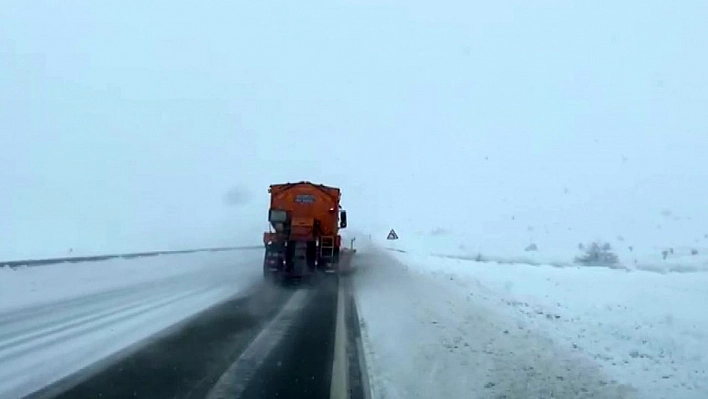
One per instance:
(435, 327)
(58, 319)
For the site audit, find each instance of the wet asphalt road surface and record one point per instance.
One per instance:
(301, 365)
(187, 361)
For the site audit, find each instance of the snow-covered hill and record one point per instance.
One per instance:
(554, 248)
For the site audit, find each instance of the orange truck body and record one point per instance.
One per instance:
(305, 220)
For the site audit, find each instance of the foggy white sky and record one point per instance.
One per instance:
(123, 125)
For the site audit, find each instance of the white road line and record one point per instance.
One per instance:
(363, 368)
(339, 388)
(233, 382)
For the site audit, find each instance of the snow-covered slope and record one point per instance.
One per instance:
(552, 249)
(56, 319)
(439, 327)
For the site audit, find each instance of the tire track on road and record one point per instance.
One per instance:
(184, 362)
(43, 346)
(73, 328)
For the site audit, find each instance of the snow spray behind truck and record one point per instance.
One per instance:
(303, 238)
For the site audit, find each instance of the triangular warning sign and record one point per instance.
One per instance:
(392, 235)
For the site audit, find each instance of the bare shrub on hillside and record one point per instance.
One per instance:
(439, 231)
(598, 254)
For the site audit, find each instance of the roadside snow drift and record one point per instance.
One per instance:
(55, 320)
(437, 327)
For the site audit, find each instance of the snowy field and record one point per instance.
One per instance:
(441, 327)
(57, 319)
(554, 248)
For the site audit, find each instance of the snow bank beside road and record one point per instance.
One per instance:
(426, 338)
(644, 329)
(58, 319)
(606, 329)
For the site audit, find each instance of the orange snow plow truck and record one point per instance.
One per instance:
(303, 238)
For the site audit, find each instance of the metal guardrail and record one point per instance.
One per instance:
(97, 258)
